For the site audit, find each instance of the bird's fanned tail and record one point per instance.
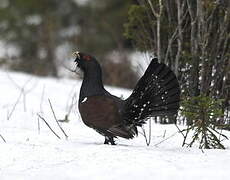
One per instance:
(157, 93)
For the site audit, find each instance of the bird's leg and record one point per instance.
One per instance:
(112, 141)
(109, 140)
(106, 140)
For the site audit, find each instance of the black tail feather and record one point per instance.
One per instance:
(157, 93)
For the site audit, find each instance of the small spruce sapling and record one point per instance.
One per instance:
(202, 114)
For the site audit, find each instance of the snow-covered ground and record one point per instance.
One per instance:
(30, 153)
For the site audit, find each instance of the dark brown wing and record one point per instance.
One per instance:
(102, 114)
(99, 112)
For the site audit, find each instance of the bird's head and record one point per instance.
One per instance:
(83, 60)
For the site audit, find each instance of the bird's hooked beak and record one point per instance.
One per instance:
(77, 60)
(77, 56)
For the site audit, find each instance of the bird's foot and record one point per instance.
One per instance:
(109, 140)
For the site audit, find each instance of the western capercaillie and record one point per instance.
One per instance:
(157, 93)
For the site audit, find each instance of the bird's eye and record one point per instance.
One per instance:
(87, 58)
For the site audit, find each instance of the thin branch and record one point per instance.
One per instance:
(180, 131)
(164, 134)
(69, 107)
(145, 136)
(150, 130)
(48, 126)
(24, 92)
(165, 139)
(42, 98)
(185, 137)
(73, 103)
(15, 84)
(57, 120)
(13, 109)
(3, 138)
(147, 140)
(39, 126)
(152, 9)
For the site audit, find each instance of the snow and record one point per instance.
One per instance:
(32, 154)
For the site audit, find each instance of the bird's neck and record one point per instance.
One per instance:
(92, 84)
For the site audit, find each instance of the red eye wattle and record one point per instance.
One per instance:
(87, 58)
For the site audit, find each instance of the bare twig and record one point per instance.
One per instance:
(164, 134)
(23, 92)
(13, 109)
(144, 134)
(39, 126)
(147, 140)
(180, 131)
(57, 120)
(15, 84)
(166, 139)
(69, 106)
(48, 126)
(150, 130)
(186, 135)
(72, 103)
(3, 138)
(42, 98)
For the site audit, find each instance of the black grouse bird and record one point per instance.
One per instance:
(157, 93)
